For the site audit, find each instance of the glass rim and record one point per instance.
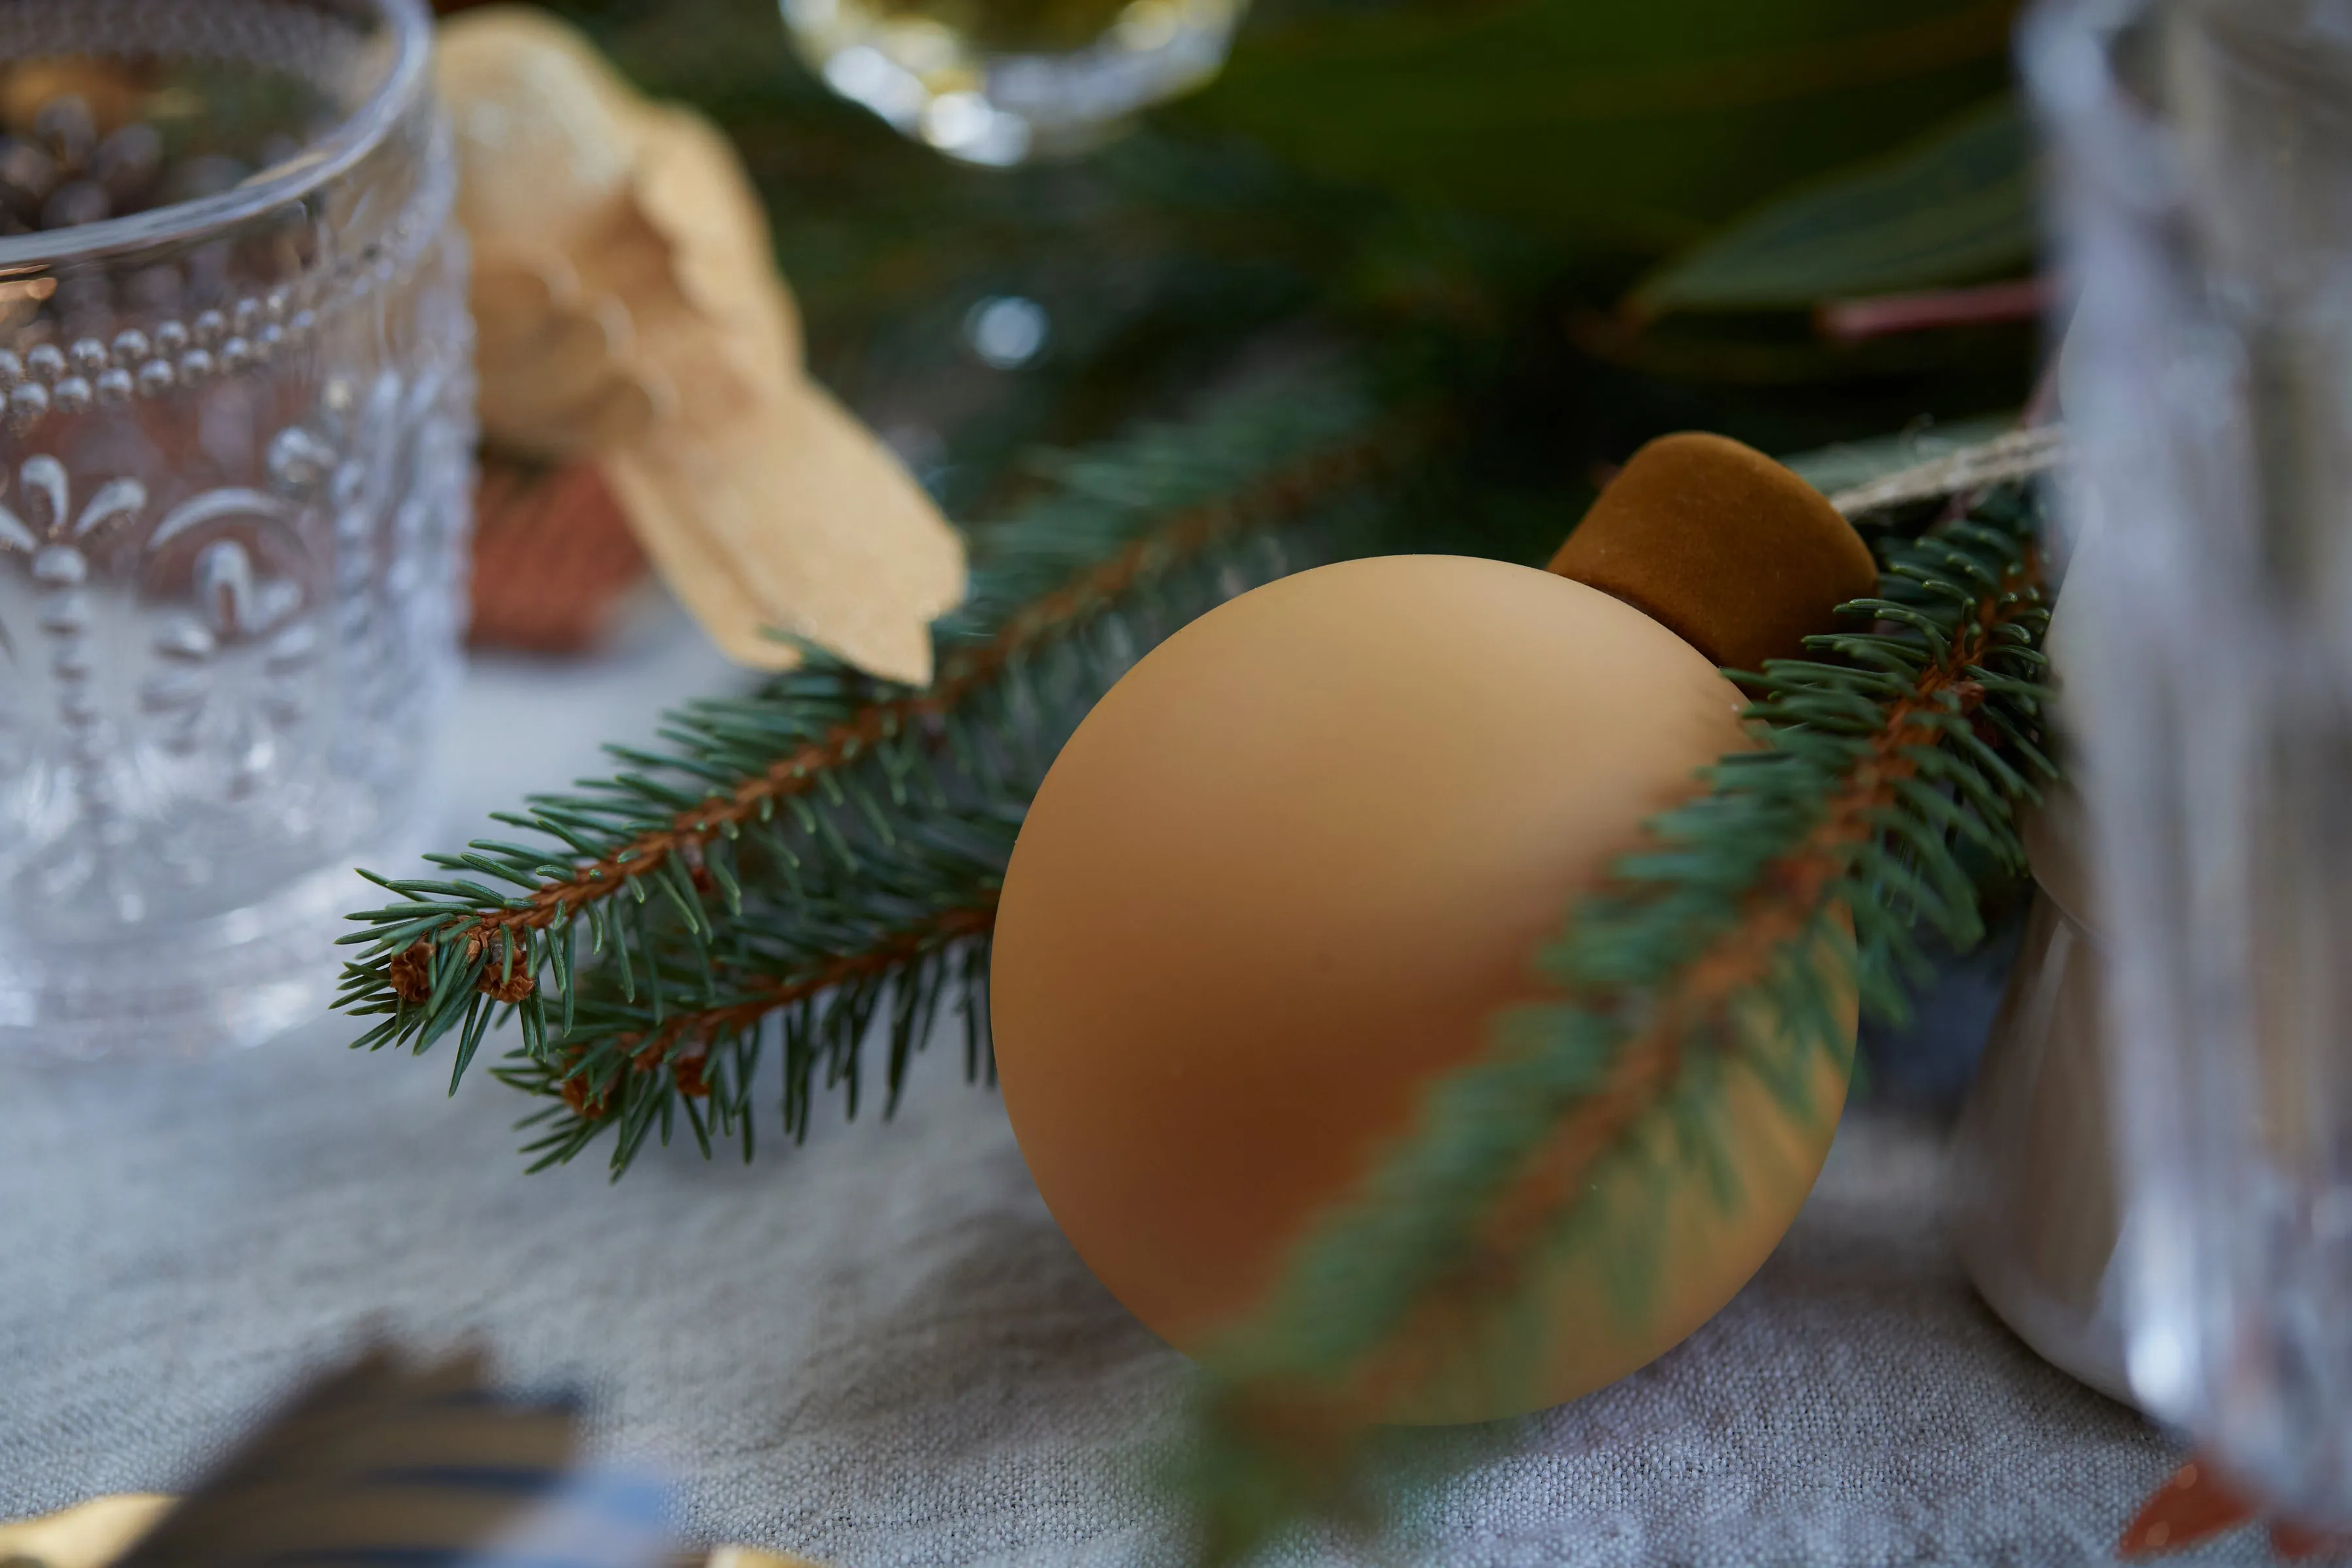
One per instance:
(332, 155)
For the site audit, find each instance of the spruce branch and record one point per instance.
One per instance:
(825, 852)
(634, 1079)
(1900, 753)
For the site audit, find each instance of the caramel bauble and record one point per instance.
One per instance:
(1283, 877)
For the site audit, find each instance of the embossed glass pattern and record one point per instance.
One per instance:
(233, 474)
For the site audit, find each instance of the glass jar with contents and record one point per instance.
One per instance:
(235, 436)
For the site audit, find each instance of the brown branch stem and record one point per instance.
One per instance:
(696, 1029)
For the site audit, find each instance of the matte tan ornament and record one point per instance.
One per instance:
(1285, 876)
(1289, 872)
(628, 306)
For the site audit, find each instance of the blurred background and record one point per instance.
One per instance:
(1798, 222)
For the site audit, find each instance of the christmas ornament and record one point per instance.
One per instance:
(627, 307)
(1238, 938)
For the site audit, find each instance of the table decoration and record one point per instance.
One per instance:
(1249, 368)
(232, 531)
(1217, 887)
(1966, 591)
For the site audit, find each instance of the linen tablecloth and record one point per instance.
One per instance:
(876, 1349)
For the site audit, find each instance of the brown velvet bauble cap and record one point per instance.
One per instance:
(1725, 547)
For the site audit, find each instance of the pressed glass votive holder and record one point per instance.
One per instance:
(235, 438)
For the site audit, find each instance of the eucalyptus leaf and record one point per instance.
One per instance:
(1955, 206)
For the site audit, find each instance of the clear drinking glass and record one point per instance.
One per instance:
(992, 81)
(2204, 152)
(235, 368)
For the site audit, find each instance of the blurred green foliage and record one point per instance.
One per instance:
(1473, 185)
(1625, 127)
(1953, 207)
